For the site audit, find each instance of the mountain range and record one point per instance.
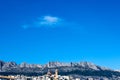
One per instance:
(72, 68)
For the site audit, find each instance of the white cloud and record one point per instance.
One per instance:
(45, 21)
(49, 20)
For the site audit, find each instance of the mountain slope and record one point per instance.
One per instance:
(81, 68)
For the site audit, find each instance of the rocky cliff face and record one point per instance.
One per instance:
(4, 66)
(1, 65)
(25, 65)
(86, 65)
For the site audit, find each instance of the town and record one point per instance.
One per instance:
(49, 76)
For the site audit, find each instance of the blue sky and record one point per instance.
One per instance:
(38, 31)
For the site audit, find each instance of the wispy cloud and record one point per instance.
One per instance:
(50, 22)
(45, 21)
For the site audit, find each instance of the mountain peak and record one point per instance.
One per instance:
(89, 64)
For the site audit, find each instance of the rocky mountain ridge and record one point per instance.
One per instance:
(72, 68)
(5, 65)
